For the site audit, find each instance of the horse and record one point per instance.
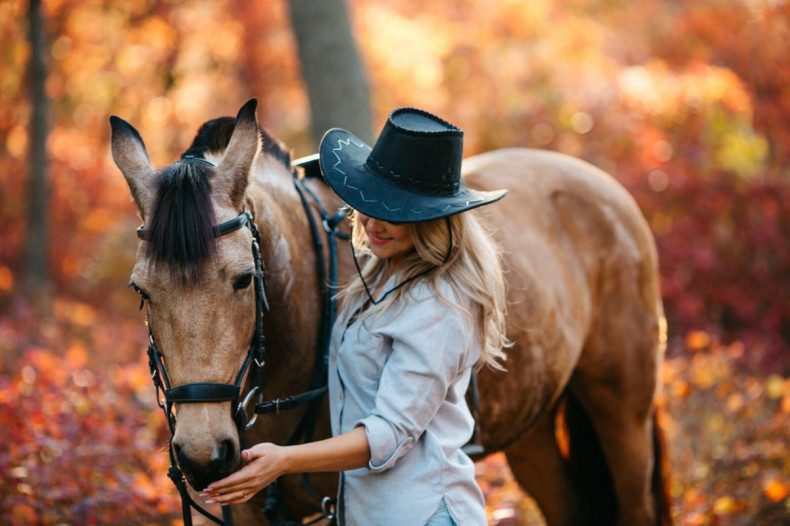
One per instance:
(584, 314)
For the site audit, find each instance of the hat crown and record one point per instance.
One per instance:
(419, 152)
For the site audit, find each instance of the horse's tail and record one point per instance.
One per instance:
(660, 481)
(588, 467)
(590, 471)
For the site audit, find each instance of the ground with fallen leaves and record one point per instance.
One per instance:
(83, 442)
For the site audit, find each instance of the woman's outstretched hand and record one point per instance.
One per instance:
(266, 462)
(263, 464)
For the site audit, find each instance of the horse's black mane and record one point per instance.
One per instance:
(214, 136)
(181, 229)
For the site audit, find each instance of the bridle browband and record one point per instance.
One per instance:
(209, 392)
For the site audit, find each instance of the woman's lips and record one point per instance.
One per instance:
(379, 240)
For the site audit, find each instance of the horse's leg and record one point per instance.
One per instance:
(540, 469)
(615, 383)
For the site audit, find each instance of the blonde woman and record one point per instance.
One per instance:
(426, 308)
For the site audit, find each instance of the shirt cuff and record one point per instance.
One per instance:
(385, 449)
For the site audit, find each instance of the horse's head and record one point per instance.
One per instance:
(197, 285)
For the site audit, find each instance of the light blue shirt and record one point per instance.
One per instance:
(403, 376)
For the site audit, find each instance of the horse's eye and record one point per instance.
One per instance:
(143, 294)
(243, 281)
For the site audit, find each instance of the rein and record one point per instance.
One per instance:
(201, 392)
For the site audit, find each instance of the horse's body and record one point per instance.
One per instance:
(584, 312)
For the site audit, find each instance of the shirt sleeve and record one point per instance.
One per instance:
(429, 346)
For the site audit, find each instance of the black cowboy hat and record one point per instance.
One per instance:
(413, 173)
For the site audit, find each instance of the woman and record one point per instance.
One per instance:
(427, 307)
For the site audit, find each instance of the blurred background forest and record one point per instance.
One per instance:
(687, 104)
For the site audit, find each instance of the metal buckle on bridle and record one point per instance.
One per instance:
(243, 407)
(328, 507)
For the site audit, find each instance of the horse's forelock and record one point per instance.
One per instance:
(181, 230)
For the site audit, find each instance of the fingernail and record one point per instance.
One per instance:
(209, 501)
(204, 494)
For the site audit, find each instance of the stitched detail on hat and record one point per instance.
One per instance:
(340, 144)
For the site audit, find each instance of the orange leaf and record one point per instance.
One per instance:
(775, 490)
(697, 340)
(77, 356)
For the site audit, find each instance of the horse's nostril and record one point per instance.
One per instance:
(176, 449)
(226, 457)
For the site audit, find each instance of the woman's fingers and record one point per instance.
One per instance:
(254, 476)
(233, 497)
(225, 490)
(256, 451)
(232, 481)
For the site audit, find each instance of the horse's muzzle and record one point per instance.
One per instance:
(224, 461)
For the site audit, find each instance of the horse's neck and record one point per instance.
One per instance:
(291, 269)
(272, 197)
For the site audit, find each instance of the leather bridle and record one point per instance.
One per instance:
(210, 392)
(201, 392)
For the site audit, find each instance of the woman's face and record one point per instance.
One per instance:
(387, 241)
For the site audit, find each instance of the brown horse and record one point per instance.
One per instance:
(585, 314)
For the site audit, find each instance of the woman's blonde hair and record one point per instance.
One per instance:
(473, 270)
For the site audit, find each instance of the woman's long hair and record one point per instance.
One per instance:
(473, 269)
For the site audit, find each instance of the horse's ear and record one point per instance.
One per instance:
(131, 157)
(234, 170)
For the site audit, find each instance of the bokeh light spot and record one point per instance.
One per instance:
(28, 374)
(61, 47)
(16, 143)
(582, 122)
(159, 109)
(543, 133)
(663, 151)
(658, 180)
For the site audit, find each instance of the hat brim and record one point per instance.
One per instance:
(343, 157)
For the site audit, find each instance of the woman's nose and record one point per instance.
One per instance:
(373, 225)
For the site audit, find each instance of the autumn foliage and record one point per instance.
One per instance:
(687, 104)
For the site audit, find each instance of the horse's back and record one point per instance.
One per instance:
(566, 229)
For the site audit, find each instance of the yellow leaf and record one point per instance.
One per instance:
(775, 386)
(724, 505)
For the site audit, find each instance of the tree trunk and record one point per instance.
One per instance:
(331, 67)
(36, 275)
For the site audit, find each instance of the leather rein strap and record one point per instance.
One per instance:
(203, 392)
